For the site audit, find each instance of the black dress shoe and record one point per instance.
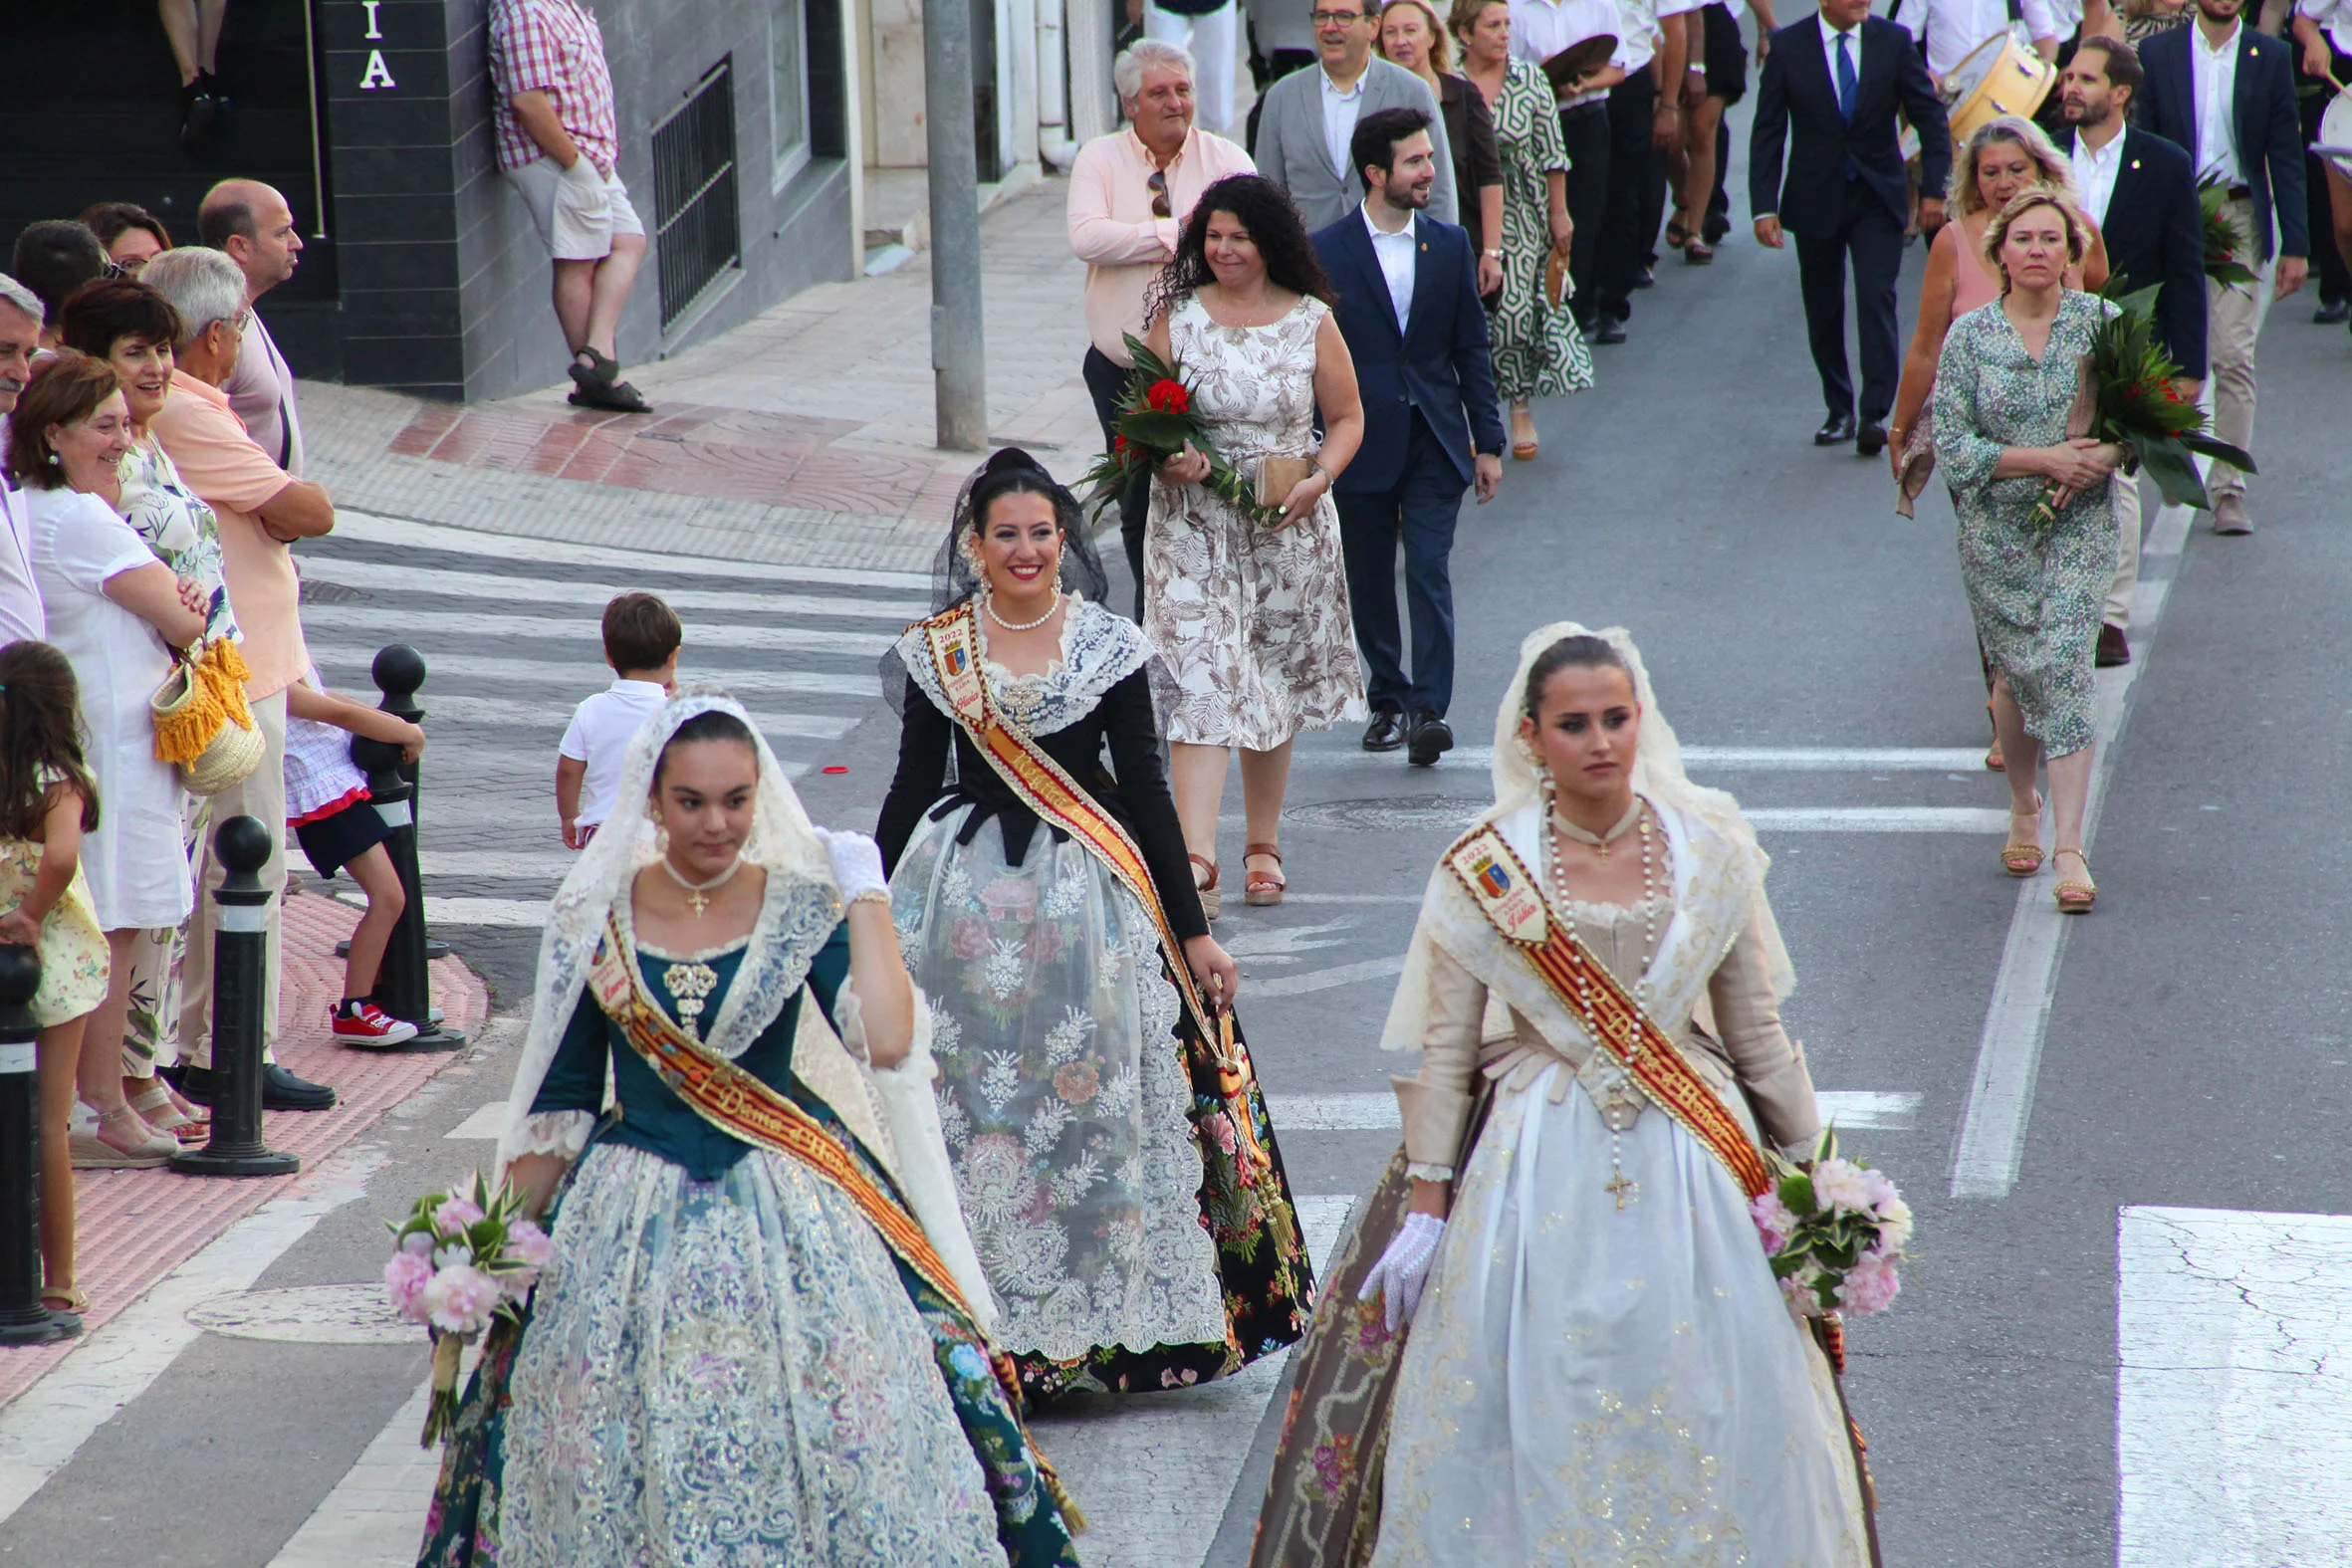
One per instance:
(280, 1090)
(1836, 430)
(1647, 278)
(2331, 312)
(1870, 438)
(1386, 732)
(2113, 649)
(1607, 329)
(1432, 737)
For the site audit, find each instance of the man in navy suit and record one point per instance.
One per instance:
(1839, 78)
(2142, 193)
(2227, 95)
(1409, 310)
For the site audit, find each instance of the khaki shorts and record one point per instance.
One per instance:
(575, 222)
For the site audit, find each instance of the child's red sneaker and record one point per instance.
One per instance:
(368, 1026)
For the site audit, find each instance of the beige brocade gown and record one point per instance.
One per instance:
(1591, 1386)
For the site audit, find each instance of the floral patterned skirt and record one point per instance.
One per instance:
(1135, 1236)
(73, 958)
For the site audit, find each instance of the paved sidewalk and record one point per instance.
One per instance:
(802, 437)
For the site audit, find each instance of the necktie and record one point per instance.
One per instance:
(1845, 77)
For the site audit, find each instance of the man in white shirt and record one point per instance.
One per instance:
(1952, 29)
(1540, 28)
(2322, 32)
(20, 338)
(1410, 312)
(252, 225)
(1304, 134)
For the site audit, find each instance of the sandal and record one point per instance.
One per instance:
(2022, 858)
(66, 1307)
(1212, 901)
(2075, 895)
(598, 385)
(1524, 445)
(1676, 235)
(92, 1152)
(156, 1107)
(1698, 253)
(1261, 889)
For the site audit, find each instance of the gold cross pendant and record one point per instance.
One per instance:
(1624, 1188)
(698, 901)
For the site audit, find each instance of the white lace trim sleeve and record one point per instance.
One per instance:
(561, 1133)
(1421, 1172)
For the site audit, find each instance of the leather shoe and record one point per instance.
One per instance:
(2331, 312)
(1606, 330)
(1386, 732)
(1871, 438)
(2113, 649)
(280, 1090)
(1431, 739)
(2230, 516)
(1836, 430)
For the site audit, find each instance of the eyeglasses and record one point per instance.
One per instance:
(116, 272)
(1158, 185)
(1338, 18)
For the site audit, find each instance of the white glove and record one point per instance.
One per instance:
(1404, 1269)
(856, 861)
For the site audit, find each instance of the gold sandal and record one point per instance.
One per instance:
(2075, 895)
(2023, 859)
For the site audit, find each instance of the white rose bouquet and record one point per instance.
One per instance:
(459, 1260)
(1835, 1232)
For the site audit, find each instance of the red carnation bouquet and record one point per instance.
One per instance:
(2130, 398)
(1155, 423)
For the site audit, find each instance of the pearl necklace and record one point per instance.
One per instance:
(698, 893)
(989, 603)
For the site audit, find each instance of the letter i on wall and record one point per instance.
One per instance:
(378, 73)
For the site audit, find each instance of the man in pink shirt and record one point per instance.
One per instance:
(261, 508)
(1129, 195)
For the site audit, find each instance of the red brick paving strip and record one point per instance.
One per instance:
(139, 1225)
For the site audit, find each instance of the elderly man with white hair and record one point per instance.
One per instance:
(1129, 195)
(20, 338)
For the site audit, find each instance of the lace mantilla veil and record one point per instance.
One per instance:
(1658, 776)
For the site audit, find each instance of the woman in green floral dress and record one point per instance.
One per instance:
(2036, 579)
(1538, 350)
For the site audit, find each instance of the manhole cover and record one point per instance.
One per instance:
(316, 590)
(309, 1315)
(1393, 812)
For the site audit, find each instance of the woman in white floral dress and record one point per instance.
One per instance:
(1250, 617)
(1118, 1173)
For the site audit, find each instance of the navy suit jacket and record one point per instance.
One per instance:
(1796, 92)
(1441, 365)
(2155, 234)
(2269, 138)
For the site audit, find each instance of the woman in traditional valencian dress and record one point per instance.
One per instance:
(753, 1343)
(1112, 1148)
(1602, 1369)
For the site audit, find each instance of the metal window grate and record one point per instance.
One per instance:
(696, 231)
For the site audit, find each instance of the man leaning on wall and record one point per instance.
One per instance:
(559, 143)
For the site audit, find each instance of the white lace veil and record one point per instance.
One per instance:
(783, 841)
(1658, 776)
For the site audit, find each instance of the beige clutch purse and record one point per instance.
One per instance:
(1278, 477)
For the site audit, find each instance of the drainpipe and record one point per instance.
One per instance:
(1056, 145)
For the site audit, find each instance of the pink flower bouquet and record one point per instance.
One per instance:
(1835, 1232)
(459, 1260)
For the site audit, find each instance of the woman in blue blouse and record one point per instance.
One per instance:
(754, 1343)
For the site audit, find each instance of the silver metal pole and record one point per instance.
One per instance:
(958, 361)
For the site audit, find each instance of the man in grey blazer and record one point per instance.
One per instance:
(1309, 116)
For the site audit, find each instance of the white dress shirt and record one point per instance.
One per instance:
(1829, 37)
(1340, 113)
(1395, 253)
(2213, 81)
(21, 619)
(1953, 28)
(2059, 18)
(2333, 16)
(2094, 174)
(1540, 28)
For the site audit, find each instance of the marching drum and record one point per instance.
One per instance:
(2001, 75)
(2335, 134)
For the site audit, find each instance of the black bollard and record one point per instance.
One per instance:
(23, 1319)
(404, 984)
(399, 671)
(240, 975)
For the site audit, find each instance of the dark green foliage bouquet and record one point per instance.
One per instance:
(1156, 421)
(2222, 240)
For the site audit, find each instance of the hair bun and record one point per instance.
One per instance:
(1012, 459)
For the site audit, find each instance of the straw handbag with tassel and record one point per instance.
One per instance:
(203, 727)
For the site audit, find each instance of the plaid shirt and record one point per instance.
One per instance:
(552, 46)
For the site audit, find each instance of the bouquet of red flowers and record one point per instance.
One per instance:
(2223, 239)
(1155, 423)
(2130, 398)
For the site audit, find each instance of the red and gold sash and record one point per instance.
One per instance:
(1047, 789)
(738, 1102)
(1499, 883)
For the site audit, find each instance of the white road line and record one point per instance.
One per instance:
(43, 1427)
(376, 1515)
(510, 589)
(1374, 969)
(1991, 1144)
(407, 623)
(1375, 1111)
(376, 530)
(589, 673)
(488, 1122)
(551, 716)
(521, 913)
(2234, 1389)
(1859, 1108)
(1744, 759)
(1877, 819)
(552, 866)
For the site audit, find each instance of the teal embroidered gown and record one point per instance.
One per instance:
(724, 1365)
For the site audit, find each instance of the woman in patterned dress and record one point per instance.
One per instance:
(1538, 350)
(2005, 386)
(1130, 1209)
(1250, 617)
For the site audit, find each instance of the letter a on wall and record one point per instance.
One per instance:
(377, 75)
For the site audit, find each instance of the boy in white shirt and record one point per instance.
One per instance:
(641, 638)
